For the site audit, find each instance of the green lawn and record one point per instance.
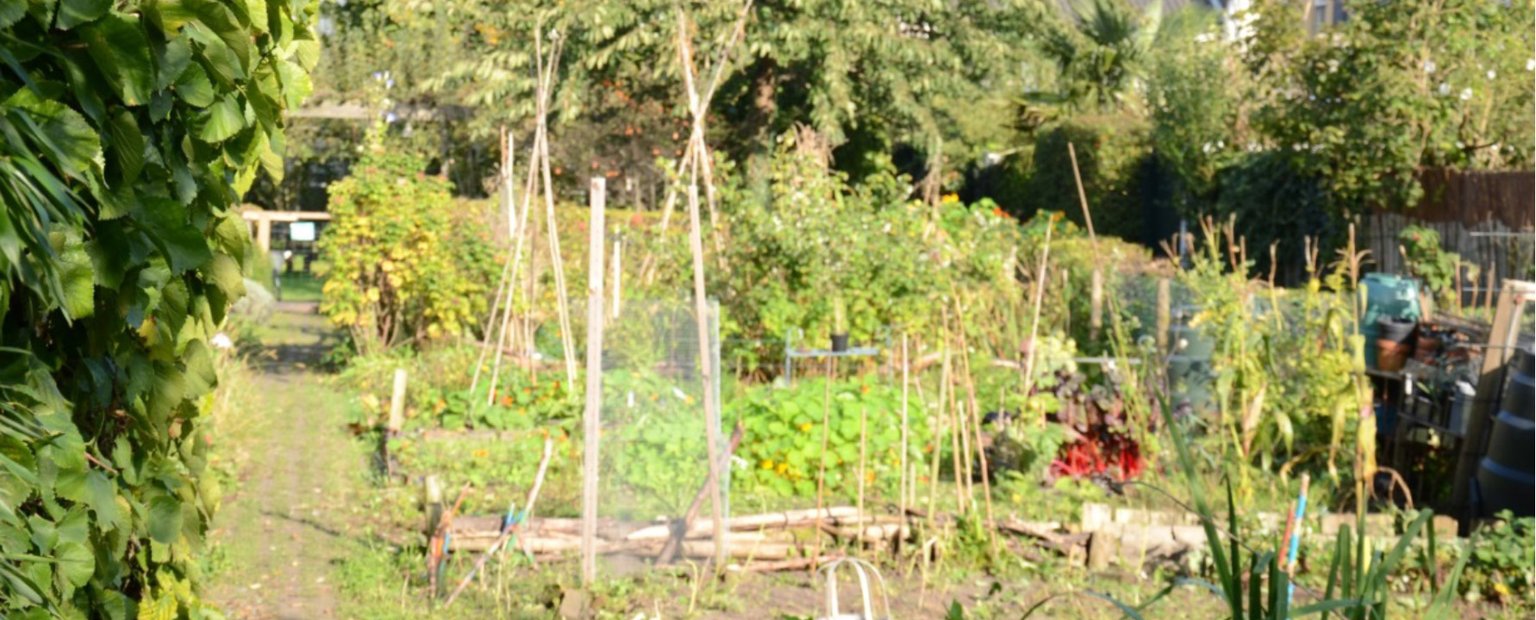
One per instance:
(301, 287)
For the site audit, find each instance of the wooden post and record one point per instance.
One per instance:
(1096, 305)
(264, 233)
(591, 421)
(1164, 312)
(706, 365)
(433, 502)
(397, 403)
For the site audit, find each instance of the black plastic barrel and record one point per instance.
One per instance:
(1506, 477)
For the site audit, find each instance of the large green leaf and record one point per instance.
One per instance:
(101, 496)
(183, 245)
(63, 133)
(200, 376)
(121, 51)
(75, 12)
(12, 11)
(169, 15)
(194, 88)
(171, 60)
(76, 563)
(125, 148)
(164, 517)
(222, 120)
(79, 279)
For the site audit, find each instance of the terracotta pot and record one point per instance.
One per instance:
(1426, 346)
(1391, 356)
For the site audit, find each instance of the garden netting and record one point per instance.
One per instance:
(655, 450)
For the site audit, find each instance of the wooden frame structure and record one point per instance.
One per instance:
(262, 222)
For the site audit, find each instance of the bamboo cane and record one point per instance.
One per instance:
(906, 367)
(533, 497)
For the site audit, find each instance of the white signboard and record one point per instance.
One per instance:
(301, 231)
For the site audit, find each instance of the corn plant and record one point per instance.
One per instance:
(1357, 585)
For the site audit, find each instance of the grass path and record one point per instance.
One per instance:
(285, 525)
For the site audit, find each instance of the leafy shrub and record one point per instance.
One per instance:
(815, 241)
(129, 129)
(406, 266)
(1429, 262)
(1113, 153)
(1502, 564)
(782, 443)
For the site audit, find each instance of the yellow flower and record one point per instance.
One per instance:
(767, 463)
(783, 468)
(482, 453)
(805, 428)
(950, 198)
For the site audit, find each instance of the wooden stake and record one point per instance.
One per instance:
(1164, 312)
(1034, 322)
(591, 421)
(975, 422)
(863, 464)
(906, 380)
(1096, 305)
(821, 467)
(1082, 196)
(397, 403)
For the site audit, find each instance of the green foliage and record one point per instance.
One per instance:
(815, 242)
(1281, 363)
(1396, 87)
(1100, 48)
(1429, 262)
(406, 264)
(1502, 562)
(127, 130)
(783, 441)
(1358, 576)
(1112, 157)
(1194, 99)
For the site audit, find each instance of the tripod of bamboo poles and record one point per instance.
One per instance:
(698, 170)
(696, 159)
(538, 180)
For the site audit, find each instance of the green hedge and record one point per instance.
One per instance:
(1114, 157)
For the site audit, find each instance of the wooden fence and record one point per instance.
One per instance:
(1487, 217)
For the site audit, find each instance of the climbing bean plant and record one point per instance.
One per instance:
(128, 129)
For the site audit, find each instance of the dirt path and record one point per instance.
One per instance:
(284, 524)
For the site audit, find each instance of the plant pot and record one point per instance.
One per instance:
(839, 343)
(1391, 356)
(1395, 329)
